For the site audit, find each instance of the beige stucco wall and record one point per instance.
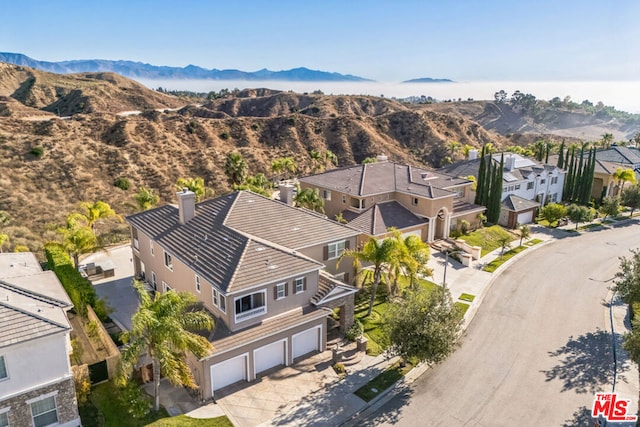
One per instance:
(425, 207)
(317, 253)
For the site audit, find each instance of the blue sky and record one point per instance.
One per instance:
(382, 40)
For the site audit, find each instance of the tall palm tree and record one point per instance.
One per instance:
(163, 329)
(317, 164)
(193, 184)
(606, 140)
(146, 198)
(93, 212)
(289, 165)
(235, 168)
(378, 254)
(309, 198)
(623, 176)
(330, 159)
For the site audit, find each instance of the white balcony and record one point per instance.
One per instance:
(249, 314)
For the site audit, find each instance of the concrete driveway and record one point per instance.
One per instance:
(117, 290)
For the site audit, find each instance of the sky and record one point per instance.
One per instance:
(387, 41)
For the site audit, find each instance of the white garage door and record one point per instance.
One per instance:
(525, 218)
(228, 372)
(305, 342)
(268, 356)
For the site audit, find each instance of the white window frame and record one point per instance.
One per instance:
(414, 201)
(334, 248)
(52, 395)
(4, 412)
(281, 291)
(168, 260)
(166, 287)
(344, 198)
(517, 187)
(197, 279)
(253, 312)
(218, 299)
(326, 194)
(542, 181)
(554, 180)
(529, 185)
(4, 365)
(136, 241)
(298, 284)
(151, 248)
(154, 280)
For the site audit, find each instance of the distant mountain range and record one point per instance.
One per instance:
(428, 80)
(134, 70)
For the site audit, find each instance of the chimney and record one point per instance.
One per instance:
(510, 162)
(186, 205)
(473, 154)
(286, 194)
(381, 158)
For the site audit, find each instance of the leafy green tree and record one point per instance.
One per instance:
(553, 212)
(606, 140)
(309, 198)
(195, 185)
(235, 168)
(505, 243)
(454, 147)
(377, 254)
(146, 198)
(424, 326)
(93, 212)
(77, 237)
(330, 159)
(627, 282)
(369, 160)
(525, 233)
(258, 184)
(631, 342)
(610, 206)
(578, 214)
(631, 198)
(317, 161)
(163, 329)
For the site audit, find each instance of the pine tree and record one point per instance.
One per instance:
(481, 180)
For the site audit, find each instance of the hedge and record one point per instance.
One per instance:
(79, 289)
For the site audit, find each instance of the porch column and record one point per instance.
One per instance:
(447, 226)
(431, 231)
(346, 313)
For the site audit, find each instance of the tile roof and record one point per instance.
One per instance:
(619, 155)
(523, 167)
(518, 204)
(330, 289)
(240, 240)
(380, 217)
(384, 177)
(19, 326)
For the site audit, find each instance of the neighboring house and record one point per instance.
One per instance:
(265, 270)
(373, 197)
(527, 185)
(36, 382)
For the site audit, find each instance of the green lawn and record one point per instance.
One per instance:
(467, 297)
(463, 307)
(372, 324)
(383, 381)
(109, 407)
(533, 242)
(488, 238)
(493, 265)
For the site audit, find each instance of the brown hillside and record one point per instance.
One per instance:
(81, 157)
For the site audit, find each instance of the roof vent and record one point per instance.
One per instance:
(260, 248)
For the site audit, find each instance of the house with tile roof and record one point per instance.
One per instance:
(374, 197)
(36, 381)
(527, 185)
(265, 270)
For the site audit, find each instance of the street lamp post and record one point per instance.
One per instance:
(446, 262)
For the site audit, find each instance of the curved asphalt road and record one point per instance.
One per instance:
(538, 348)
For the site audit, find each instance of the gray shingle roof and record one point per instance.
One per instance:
(523, 168)
(620, 155)
(384, 177)
(240, 240)
(518, 204)
(381, 216)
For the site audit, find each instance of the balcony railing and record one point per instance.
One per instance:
(258, 311)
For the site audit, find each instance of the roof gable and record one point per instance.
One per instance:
(380, 217)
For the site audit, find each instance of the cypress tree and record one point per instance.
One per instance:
(578, 178)
(568, 184)
(487, 184)
(481, 180)
(566, 158)
(561, 155)
(546, 153)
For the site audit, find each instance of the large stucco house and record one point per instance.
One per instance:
(374, 197)
(264, 269)
(36, 381)
(526, 185)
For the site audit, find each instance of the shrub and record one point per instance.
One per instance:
(224, 135)
(37, 151)
(122, 183)
(137, 403)
(83, 386)
(356, 330)
(339, 368)
(465, 226)
(21, 248)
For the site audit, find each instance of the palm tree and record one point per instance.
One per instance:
(309, 198)
(235, 168)
(454, 147)
(316, 161)
(258, 184)
(289, 165)
(277, 167)
(504, 242)
(375, 252)
(77, 237)
(93, 212)
(163, 329)
(146, 198)
(466, 149)
(623, 176)
(606, 140)
(195, 185)
(525, 233)
(330, 159)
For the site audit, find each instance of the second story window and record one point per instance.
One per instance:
(344, 199)
(218, 300)
(250, 306)
(529, 185)
(326, 194)
(168, 262)
(3, 369)
(300, 284)
(198, 283)
(554, 180)
(151, 248)
(542, 181)
(280, 291)
(136, 243)
(334, 250)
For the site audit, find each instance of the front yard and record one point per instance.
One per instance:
(488, 238)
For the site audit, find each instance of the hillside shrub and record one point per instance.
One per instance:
(122, 183)
(37, 151)
(224, 135)
(78, 288)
